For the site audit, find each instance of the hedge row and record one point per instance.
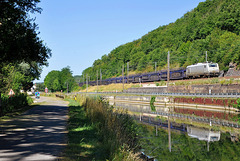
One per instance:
(13, 103)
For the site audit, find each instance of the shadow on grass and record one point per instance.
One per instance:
(83, 139)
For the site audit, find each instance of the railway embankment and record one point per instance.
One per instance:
(201, 89)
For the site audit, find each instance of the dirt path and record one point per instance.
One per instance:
(39, 134)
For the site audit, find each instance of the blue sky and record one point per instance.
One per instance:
(81, 31)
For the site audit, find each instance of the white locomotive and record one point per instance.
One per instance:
(202, 70)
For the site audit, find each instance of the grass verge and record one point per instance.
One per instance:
(83, 143)
(96, 132)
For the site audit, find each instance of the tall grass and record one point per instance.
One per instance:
(116, 128)
(83, 142)
(99, 132)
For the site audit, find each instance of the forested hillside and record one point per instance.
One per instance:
(213, 26)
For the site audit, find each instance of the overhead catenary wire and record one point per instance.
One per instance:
(152, 65)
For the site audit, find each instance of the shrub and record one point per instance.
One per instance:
(231, 81)
(115, 126)
(162, 83)
(83, 87)
(16, 102)
(222, 81)
(215, 81)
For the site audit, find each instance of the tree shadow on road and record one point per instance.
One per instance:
(38, 134)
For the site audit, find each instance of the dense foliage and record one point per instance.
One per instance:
(16, 77)
(213, 26)
(14, 103)
(18, 37)
(60, 80)
(22, 52)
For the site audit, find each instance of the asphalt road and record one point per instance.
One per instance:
(39, 134)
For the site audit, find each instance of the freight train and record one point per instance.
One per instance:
(191, 71)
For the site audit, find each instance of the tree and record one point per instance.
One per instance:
(78, 78)
(60, 80)
(67, 80)
(66, 76)
(19, 41)
(56, 85)
(18, 36)
(40, 87)
(52, 80)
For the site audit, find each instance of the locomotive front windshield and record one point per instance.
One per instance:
(212, 65)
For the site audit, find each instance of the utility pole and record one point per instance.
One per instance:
(67, 87)
(123, 75)
(168, 70)
(83, 79)
(127, 71)
(97, 81)
(208, 139)
(87, 82)
(155, 67)
(169, 133)
(100, 76)
(206, 57)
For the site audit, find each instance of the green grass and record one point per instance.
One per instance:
(83, 143)
(96, 132)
